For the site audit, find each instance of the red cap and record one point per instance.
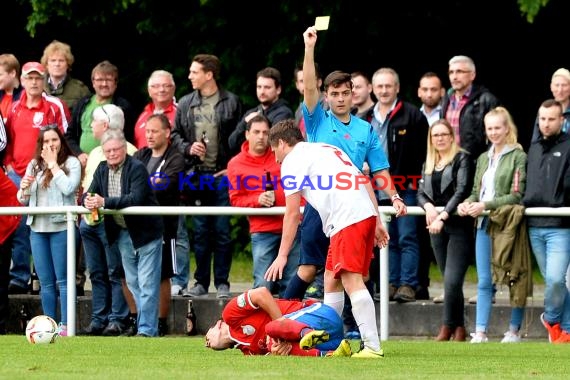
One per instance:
(33, 66)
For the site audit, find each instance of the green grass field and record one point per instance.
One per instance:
(186, 358)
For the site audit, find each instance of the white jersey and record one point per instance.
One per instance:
(328, 180)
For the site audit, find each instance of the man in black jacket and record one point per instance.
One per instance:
(548, 185)
(274, 108)
(204, 121)
(466, 106)
(122, 181)
(164, 164)
(402, 130)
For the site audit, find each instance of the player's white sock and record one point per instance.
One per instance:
(365, 316)
(335, 300)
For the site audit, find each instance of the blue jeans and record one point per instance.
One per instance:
(404, 250)
(20, 271)
(50, 258)
(485, 288)
(182, 264)
(106, 273)
(212, 235)
(551, 247)
(265, 246)
(142, 272)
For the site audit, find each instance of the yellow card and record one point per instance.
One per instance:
(322, 22)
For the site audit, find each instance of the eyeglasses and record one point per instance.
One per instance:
(166, 86)
(113, 150)
(451, 72)
(48, 127)
(438, 135)
(103, 80)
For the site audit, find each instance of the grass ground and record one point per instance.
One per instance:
(186, 358)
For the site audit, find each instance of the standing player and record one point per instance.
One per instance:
(349, 214)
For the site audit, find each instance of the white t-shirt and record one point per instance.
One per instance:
(327, 179)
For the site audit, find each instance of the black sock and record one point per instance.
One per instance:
(296, 288)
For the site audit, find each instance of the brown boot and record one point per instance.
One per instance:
(444, 334)
(459, 334)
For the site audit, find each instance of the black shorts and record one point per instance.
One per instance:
(314, 243)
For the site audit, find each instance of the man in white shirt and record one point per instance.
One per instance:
(326, 177)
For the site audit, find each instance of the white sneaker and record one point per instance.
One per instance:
(439, 299)
(473, 300)
(175, 290)
(511, 337)
(479, 338)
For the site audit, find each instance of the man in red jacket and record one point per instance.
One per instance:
(8, 224)
(34, 110)
(247, 173)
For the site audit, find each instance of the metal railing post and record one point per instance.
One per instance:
(71, 290)
(384, 280)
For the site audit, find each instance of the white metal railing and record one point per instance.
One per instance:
(72, 211)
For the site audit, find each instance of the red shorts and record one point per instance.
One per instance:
(351, 249)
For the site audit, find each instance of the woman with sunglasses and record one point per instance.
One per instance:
(51, 180)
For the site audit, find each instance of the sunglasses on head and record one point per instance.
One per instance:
(48, 127)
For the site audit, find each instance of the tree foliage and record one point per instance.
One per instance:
(101, 11)
(530, 8)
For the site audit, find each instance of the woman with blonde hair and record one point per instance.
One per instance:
(447, 180)
(500, 178)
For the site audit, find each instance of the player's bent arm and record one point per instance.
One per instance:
(262, 298)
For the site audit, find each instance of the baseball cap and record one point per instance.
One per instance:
(33, 66)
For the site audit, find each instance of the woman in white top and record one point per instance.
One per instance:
(52, 179)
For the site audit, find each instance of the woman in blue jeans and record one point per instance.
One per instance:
(51, 179)
(500, 177)
(447, 179)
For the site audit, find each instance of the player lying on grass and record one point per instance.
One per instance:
(258, 324)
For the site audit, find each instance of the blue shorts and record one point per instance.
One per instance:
(314, 243)
(319, 316)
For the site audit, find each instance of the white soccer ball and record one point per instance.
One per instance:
(41, 330)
